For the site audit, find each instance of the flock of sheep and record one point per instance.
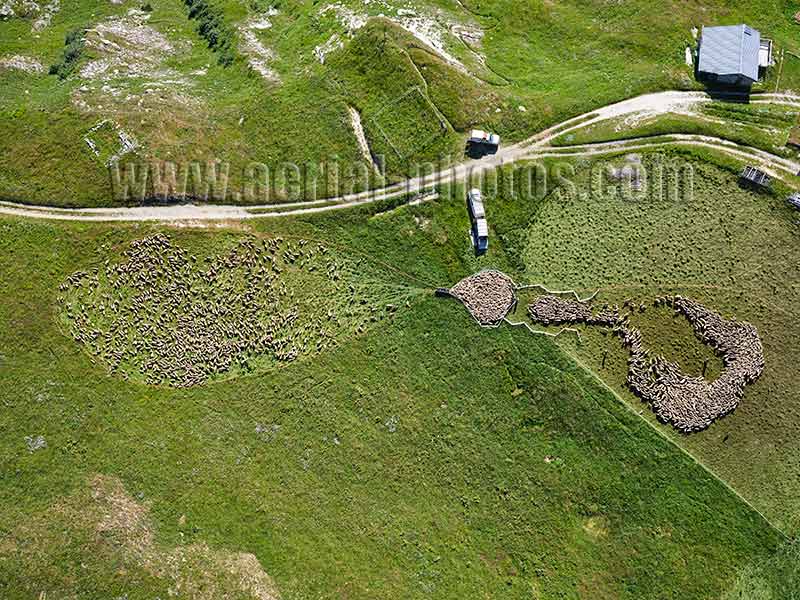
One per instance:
(552, 310)
(488, 296)
(688, 403)
(692, 403)
(168, 317)
(165, 316)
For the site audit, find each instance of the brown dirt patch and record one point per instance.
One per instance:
(109, 536)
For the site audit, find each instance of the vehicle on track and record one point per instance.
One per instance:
(482, 142)
(477, 214)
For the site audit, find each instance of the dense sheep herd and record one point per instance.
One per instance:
(165, 316)
(488, 296)
(552, 310)
(692, 403)
(688, 403)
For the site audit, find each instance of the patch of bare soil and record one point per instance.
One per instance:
(334, 43)
(351, 20)
(18, 8)
(361, 137)
(39, 13)
(127, 47)
(259, 57)
(435, 30)
(46, 15)
(127, 72)
(116, 535)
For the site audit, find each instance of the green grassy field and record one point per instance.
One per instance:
(354, 436)
(765, 128)
(168, 313)
(725, 247)
(421, 457)
(424, 457)
(523, 66)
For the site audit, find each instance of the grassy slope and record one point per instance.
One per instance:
(458, 501)
(378, 77)
(578, 54)
(556, 60)
(766, 128)
(778, 577)
(728, 248)
(41, 135)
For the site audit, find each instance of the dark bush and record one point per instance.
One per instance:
(261, 6)
(73, 49)
(213, 29)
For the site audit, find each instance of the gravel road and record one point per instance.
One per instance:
(538, 146)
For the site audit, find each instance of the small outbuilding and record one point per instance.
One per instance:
(757, 177)
(733, 55)
(794, 200)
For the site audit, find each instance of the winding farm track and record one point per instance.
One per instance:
(535, 147)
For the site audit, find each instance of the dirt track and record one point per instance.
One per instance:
(537, 146)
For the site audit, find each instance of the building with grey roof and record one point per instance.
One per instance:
(732, 55)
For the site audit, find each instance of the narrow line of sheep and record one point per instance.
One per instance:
(688, 403)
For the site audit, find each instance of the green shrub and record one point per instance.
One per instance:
(214, 29)
(261, 6)
(73, 50)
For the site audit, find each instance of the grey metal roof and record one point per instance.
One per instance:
(730, 50)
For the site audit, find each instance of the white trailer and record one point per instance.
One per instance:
(477, 214)
(475, 203)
